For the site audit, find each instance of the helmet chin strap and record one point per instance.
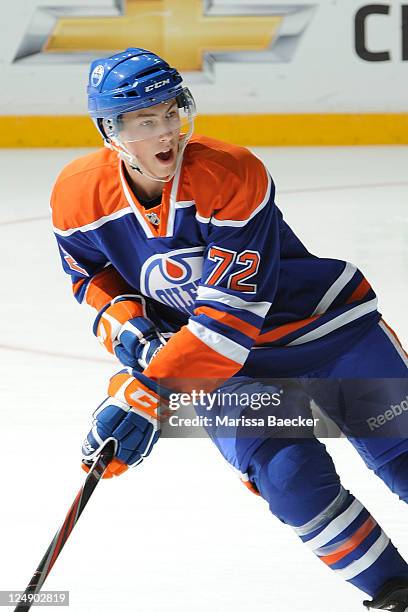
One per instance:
(134, 163)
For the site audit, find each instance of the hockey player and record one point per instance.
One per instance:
(172, 235)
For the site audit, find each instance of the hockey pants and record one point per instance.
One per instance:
(299, 481)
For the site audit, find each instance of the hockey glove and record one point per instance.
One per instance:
(131, 417)
(122, 329)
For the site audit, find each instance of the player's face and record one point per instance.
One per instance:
(152, 135)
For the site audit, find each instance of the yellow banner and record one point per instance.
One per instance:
(250, 130)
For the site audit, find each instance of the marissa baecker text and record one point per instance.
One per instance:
(242, 421)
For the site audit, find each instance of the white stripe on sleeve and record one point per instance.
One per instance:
(214, 295)
(219, 343)
(233, 223)
(333, 291)
(241, 222)
(343, 319)
(95, 224)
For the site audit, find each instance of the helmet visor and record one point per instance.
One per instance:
(172, 116)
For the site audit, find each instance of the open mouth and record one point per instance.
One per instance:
(165, 156)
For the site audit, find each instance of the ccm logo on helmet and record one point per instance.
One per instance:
(157, 85)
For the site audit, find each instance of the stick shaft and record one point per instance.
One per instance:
(66, 528)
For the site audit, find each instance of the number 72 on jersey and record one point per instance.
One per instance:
(225, 260)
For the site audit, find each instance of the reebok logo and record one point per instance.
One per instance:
(389, 415)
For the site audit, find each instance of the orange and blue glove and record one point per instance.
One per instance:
(124, 330)
(130, 416)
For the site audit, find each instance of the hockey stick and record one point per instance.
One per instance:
(64, 531)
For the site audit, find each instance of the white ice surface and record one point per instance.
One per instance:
(180, 533)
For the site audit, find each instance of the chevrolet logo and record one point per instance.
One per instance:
(190, 34)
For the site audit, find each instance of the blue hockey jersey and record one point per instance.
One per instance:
(217, 265)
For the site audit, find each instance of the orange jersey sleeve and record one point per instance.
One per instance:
(86, 195)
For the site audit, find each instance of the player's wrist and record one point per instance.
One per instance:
(125, 332)
(111, 318)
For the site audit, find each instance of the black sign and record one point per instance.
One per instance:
(361, 34)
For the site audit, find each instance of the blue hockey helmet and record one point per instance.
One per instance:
(128, 81)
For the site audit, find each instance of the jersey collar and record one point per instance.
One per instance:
(165, 211)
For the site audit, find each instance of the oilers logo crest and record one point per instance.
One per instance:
(173, 278)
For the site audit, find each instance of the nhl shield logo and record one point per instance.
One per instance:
(153, 218)
(172, 278)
